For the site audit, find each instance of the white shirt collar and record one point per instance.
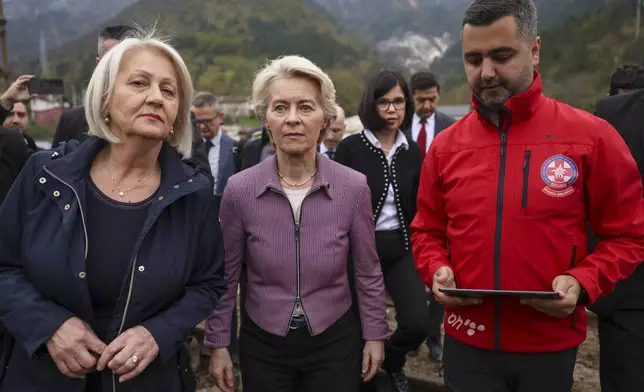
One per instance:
(216, 139)
(416, 119)
(323, 148)
(401, 140)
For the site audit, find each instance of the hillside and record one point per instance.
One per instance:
(417, 34)
(578, 56)
(225, 42)
(60, 21)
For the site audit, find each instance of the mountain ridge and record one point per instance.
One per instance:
(233, 39)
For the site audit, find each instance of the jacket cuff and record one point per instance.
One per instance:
(587, 284)
(164, 337)
(37, 348)
(215, 339)
(376, 333)
(432, 271)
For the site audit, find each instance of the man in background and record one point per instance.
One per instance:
(428, 121)
(220, 148)
(16, 111)
(255, 149)
(13, 148)
(333, 134)
(626, 79)
(621, 314)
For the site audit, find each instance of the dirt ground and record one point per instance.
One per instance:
(586, 370)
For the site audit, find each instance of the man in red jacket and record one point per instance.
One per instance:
(505, 194)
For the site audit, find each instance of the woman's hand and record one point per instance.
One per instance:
(372, 357)
(130, 353)
(221, 367)
(71, 348)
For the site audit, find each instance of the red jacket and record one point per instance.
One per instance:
(512, 208)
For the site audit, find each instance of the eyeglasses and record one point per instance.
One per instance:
(383, 104)
(205, 121)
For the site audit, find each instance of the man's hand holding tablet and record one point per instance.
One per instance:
(444, 278)
(569, 291)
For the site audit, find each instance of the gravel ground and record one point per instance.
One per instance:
(586, 370)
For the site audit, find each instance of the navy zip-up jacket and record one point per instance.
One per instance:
(174, 280)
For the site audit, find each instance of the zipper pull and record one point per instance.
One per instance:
(504, 141)
(527, 158)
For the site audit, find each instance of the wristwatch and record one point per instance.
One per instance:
(583, 298)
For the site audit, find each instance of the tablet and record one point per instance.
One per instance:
(475, 293)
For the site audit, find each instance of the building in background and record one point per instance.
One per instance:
(236, 107)
(46, 110)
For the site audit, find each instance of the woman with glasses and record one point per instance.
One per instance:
(392, 164)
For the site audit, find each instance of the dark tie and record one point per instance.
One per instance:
(208, 145)
(422, 139)
(330, 154)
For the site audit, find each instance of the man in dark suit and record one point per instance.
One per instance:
(221, 149)
(72, 124)
(426, 124)
(621, 314)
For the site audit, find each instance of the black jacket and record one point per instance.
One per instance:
(624, 113)
(358, 153)
(250, 152)
(31, 143)
(73, 126)
(13, 155)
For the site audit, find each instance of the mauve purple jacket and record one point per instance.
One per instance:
(258, 227)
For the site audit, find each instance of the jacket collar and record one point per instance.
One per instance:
(268, 178)
(521, 106)
(73, 166)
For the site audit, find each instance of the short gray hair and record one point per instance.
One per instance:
(101, 86)
(486, 12)
(205, 99)
(288, 67)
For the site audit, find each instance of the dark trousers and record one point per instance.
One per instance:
(436, 314)
(299, 362)
(471, 369)
(621, 353)
(407, 291)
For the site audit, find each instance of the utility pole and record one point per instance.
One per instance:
(3, 42)
(638, 18)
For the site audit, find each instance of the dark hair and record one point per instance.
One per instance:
(486, 12)
(378, 86)
(117, 32)
(423, 80)
(627, 77)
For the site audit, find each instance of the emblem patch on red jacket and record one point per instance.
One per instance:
(559, 173)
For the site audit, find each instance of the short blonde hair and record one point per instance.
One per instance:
(288, 67)
(101, 86)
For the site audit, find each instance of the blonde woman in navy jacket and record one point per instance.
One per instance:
(110, 250)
